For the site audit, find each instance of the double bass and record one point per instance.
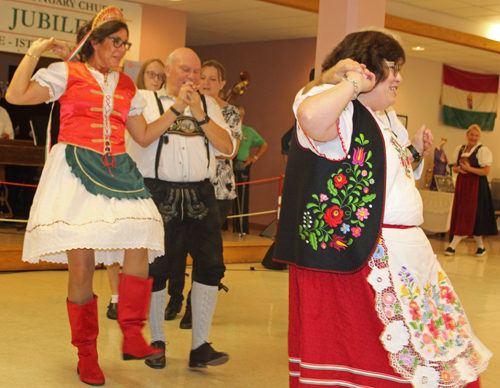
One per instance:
(238, 88)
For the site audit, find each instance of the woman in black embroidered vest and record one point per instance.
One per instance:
(473, 213)
(369, 303)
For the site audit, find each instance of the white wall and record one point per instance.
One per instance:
(418, 98)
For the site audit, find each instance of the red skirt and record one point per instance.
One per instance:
(334, 333)
(463, 215)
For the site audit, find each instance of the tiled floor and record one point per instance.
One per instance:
(250, 324)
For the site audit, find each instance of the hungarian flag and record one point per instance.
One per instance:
(469, 98)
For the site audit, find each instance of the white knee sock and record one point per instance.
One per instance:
(203, 303)
(157, 315)
(479, 241)
(455, 241)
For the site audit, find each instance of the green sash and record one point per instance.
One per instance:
(120, 180)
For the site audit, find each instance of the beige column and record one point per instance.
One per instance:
(337, 18)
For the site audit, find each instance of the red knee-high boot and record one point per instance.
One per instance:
(133, 307)
(84, 331)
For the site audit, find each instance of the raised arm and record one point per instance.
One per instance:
(23, 91)
(216, 135)
(336, 74)
(318, 114)
(422, 142)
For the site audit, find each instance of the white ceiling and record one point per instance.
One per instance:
(232, 21)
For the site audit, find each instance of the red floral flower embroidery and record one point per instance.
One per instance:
(433, 329)
(416, 315)
(449, 322)
(338, 243)
(447, 294)
(333, 216)
(339, 180)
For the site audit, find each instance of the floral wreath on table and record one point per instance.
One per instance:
(349, 194)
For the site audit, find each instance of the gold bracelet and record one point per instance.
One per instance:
(32, 56)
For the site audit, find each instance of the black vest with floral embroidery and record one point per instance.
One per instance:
(332, 211)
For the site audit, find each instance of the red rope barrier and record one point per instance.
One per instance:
(18, 184)
(262, 180)
(237, 184)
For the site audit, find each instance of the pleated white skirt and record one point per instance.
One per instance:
(65, 216)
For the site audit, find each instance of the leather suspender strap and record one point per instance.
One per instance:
(204, 101)
(161, 139)
(164, 138)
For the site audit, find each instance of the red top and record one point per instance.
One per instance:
(89, 118)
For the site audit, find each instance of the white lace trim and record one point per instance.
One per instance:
(396, 338)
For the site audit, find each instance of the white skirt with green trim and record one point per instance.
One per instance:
(65, 216)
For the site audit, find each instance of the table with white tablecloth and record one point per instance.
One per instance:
(437, 211)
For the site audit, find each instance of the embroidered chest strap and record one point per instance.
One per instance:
(164, 138)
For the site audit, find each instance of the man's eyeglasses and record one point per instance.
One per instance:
(394, 67)
(117, 42)
(153, 75)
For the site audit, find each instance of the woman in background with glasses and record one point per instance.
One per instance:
(91, 205)
(151, 76)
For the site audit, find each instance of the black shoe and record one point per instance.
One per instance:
(170, 314)
(111, 314)
(449, 252)
(480, 252)
(158, 363)
(187, 319)
(206, 355)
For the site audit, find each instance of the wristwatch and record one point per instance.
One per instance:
(416, 155)
(205, 120)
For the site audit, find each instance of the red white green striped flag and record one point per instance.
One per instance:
(469, 98)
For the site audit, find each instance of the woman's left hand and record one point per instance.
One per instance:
(61, 49)
(41, 45)
(423, 141)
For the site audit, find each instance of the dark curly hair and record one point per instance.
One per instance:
(99, 34)
(370, 48)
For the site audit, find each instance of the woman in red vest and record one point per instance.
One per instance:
(91, 205)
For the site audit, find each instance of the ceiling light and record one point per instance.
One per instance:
(494, 32)
(418, 48)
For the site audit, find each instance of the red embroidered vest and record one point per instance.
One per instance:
(85, 108)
